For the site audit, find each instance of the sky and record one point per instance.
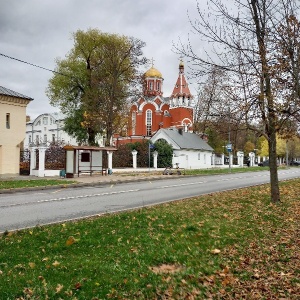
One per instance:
(39, 31)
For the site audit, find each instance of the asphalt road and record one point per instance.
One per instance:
(31, 208)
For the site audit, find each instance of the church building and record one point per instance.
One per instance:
(153, 111)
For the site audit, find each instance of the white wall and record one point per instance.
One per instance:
(192, 159)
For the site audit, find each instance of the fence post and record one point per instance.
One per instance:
(155, 154)
(42, 151)
(32, 159)
(134, 154)
(109, 159)
(213, 156)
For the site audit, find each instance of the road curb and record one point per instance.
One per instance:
(86, 184)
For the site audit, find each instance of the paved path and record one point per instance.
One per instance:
(124, 175)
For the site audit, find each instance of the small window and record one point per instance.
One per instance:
(85, 157)
(53, 137)
(8, 121)
(150, 85)
(45, 121)
(45, 138)
(29, 140)
(199, 156)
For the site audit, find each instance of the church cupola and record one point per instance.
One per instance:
(181, 95)
(153, 83)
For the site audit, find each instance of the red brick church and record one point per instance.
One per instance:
(152, 111)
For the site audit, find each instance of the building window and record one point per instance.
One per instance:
(8, 121)
(150, 85)
(199, 156)
(29, 139)
(37, 139)
(85, 157)
(53, 138)
(45, 120)
(45, 138)
(148, 122)
(158, 85)
(205, 158)
(133, 119)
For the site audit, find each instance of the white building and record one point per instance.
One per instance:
(47, 128)
(189, 150)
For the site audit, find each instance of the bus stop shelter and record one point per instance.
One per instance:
(87, 159)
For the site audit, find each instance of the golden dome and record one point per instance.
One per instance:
(152, 72)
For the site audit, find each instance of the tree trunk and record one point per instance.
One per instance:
(91, 137)
(275, 194)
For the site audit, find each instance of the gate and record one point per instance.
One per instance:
(24, 162)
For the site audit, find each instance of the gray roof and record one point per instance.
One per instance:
(185, 140)
(8, 92)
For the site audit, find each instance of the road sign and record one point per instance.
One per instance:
(229, 147)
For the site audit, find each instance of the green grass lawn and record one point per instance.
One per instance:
(13, 184)
(229, 245)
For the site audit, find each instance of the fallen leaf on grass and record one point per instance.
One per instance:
(70, 241)
(59, 288)
(77, 286)
(56, 264)
(164, 268)
(215, 251)
(28, 292)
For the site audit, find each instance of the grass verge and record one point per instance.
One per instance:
(13, 184)
(229, 245)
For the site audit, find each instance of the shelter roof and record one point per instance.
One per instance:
(90, 148)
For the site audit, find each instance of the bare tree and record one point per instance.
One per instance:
(246, 39)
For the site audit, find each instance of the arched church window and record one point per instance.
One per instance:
(148, 122)
(158, 86)
(150, 85)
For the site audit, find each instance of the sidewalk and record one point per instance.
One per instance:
(121, 175)
(118, 176)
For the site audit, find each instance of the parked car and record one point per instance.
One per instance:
(294, 163)
(264, 163)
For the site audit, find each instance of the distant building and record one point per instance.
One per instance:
(47, 128)
(190, 151)
(12, 129)
(152, 111)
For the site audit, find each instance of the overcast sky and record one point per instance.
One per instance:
(39, 31)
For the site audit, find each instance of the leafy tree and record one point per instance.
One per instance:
(249, 147)
(94, 81)
(252, 46)
(165, 153)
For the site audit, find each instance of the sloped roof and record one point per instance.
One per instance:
(8, 92)
(184, 140)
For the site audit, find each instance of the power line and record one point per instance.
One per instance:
(28, 63)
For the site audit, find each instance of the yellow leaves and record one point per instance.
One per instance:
(59, 288)
(31, 265)
(28, 292)
(70, 241)
(134, 250)
(56, 264)
(166, 268)
(215, 251)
